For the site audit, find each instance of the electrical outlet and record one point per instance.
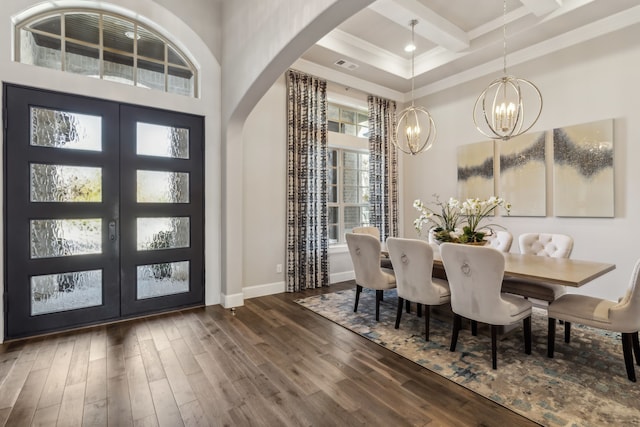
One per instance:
(278, 268)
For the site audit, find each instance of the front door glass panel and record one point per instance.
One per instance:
(161, 279)
(163, 233)
(60, 183)
(162, 141)
(61, 129)
(52, 293)
(162, 187)
(65, 237)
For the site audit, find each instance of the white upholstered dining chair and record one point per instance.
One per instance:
(365, 255)
(500, 240)
(368, 229)
(412, 262)
(475, 278)
(622, 316)
(540, 244)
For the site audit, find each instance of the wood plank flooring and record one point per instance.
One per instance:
(273, 363)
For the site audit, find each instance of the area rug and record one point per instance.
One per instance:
(585, 384)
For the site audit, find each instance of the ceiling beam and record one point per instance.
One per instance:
(431, 26)
(541, 7)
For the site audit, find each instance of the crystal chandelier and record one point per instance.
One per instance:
(415, 131)
(499, 110)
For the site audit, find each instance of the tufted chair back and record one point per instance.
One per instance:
(500, 240)
(373, 231)
(546, 244)
(413, 265)
(365, 254)
(475, 278)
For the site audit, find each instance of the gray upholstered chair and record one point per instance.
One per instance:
(500, 240)
(374, 231)
(622, 316)
(475, 277)
(412, 262)
(540, 244)
(365, 255)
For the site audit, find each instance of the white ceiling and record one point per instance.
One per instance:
(456, 40)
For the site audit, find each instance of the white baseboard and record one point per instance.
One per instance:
(229, 301)
(342, 277)
(263, 290)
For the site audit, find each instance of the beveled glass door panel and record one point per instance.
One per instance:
(62, 160)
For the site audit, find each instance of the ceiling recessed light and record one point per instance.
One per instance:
(410, 47)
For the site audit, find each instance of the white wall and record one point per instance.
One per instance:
(208, 105)
(594, 81)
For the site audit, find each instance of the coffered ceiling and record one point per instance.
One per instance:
(456, 40)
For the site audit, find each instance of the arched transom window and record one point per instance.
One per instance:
(106, 46)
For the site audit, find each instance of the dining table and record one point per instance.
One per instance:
(536, 269)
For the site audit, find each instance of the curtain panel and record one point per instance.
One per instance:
(383, 167)
(307, 236)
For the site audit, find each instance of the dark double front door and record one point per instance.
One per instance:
(103, 210)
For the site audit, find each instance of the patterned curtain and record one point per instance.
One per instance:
(383, 167)
(307, 236)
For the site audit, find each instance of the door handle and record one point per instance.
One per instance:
(112, 230)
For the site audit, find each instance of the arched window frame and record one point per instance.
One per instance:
(170, 63)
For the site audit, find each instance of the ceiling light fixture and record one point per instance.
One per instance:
(416, 130)
(499, 110)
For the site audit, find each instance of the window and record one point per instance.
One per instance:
(348, 181)
(348, 121)
(104, 46)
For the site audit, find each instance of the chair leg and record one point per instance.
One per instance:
(527, 334)
(408, 304)
(551, 334)
(427, 316)
(419, 310)
(494, 346)
(636, 347)
(399, 313)
(379, 295)
(457, 323)
(474, 328)
(627, 350)
(567, 331)
(358, 290)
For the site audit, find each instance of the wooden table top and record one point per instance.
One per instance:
(559, 271)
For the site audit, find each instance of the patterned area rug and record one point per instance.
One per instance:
(584, 385)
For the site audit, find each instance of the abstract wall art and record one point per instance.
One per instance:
(522, 175)
(583, 183)
(475, 170)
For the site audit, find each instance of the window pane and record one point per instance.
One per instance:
(363, 132)
(167, 278)
(332, 158)
(83, 26)
(333, 215)
(58, 183)
(332, 176)
(118, 68)
(60, 129)
(43, 51)
(363, 119)
(149, 45)
(363, 195)
(364, 161)
(348, 129)
(118, 34)
(162, 141)
(163, 233)
(81, 59)
(350, 194)
(333, 113)
(53, 293)
(363, 178)
(350, 177)
(175, 58)
(332, 194)
(150, 75)
(333, 234)
(350, 160)
(180, 81)
(347, 116)
(333, 126)
(65, 237)
(162, 187)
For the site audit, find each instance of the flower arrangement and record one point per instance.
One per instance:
(470, 214)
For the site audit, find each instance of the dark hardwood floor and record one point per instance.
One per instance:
(273, 363)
